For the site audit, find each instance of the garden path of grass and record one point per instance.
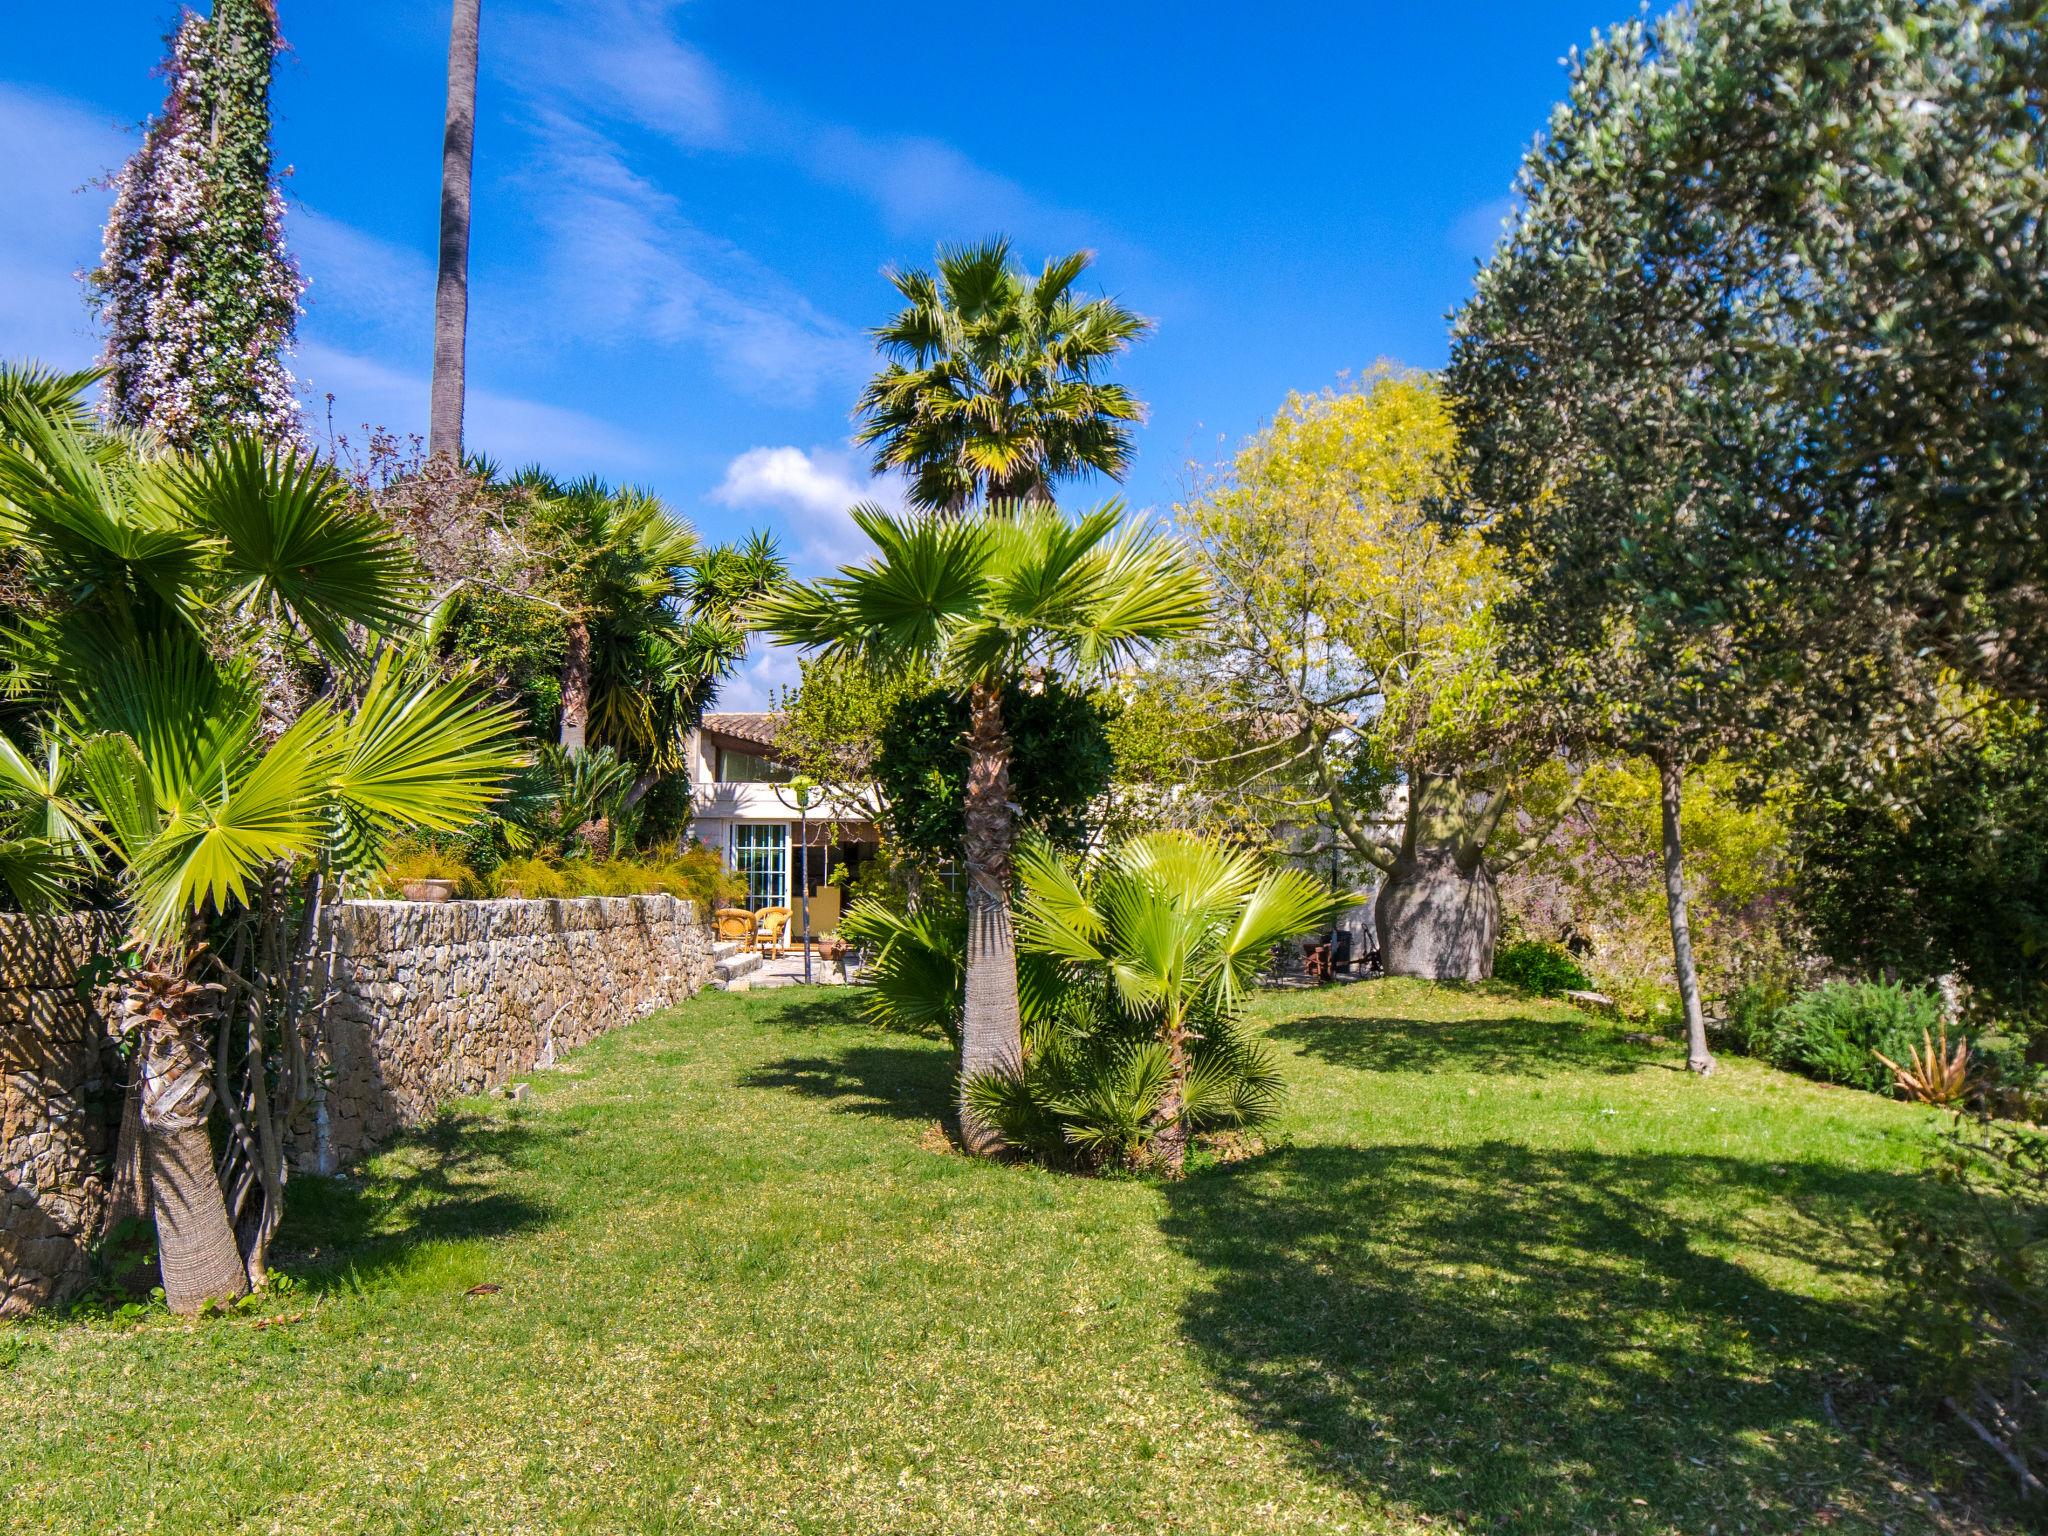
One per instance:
(1501, 1268)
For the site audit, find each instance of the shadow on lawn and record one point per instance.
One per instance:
(1514, 1047)
(891, 1082)
(435, 1184)
(1533, 1339)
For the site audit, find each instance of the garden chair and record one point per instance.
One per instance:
(771, 931)
(734, 923)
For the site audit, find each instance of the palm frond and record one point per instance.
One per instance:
(283, 529)
(419, 753)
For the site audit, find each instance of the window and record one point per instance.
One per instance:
(749, 768)
(760, 851)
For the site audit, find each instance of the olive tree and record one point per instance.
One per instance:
(1750, 398)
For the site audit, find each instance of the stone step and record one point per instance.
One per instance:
(720, 948)
(730, 968)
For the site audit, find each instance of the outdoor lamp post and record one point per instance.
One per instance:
(803, 794)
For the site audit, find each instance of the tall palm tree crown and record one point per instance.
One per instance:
(991, 387)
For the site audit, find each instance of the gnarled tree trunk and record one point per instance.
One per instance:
(196, 1247)
(1698, 1058)
(575, 685)
(1438, 915)
(991, 1030)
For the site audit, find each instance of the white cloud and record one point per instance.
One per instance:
(758, 684)
(372, 285)
(925, 186)
(623, 62)
(1479, 229)
(513, 430)
(55, 150)
(815, 491)
(624, 265)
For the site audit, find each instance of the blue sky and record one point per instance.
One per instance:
(683, 211)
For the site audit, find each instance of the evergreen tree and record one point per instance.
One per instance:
(195, 288)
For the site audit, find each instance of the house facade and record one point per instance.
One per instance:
(742, 805)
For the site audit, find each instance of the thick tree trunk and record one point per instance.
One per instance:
(127, 1191)
(991, 1031)
(1697, 1057)
(451, 293)
(1438, 916)
(576, 686)
(196, 1247)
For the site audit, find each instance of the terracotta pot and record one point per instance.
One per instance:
(427, 890)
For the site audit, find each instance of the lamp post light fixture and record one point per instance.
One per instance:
(802, 795)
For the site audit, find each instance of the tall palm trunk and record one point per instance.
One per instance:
(576, 685)
(451, 293)
(991, 1033)
(171, 1018)
(1697, 1057)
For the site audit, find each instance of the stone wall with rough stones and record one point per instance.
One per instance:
(433, 1001)
(59, 1107)
(427, 1003)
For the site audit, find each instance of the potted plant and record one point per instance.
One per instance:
(425, 874)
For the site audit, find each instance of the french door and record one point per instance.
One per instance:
(760, 851)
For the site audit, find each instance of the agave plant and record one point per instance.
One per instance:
(212, 739)
(1936, 1072)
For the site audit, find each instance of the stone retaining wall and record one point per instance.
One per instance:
(437, 1001)
(427, 1003)
(59, 1105)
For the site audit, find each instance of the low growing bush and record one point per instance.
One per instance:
(1752, 1025)
(1970, 1293)
(1835, 1032)
(1537, 966)
(697, 875)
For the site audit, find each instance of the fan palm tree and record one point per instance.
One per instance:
(1021, 590)
(165, 590)
(619, 566)
(651, 620)
(1178, 927)
(451, 290)
(990, 389)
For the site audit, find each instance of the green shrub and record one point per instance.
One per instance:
(424, 861)
(1537, 966)
(1835, 1032)
(1753, 1012)
(1970, 1292)
(697, 875)
(530, 878)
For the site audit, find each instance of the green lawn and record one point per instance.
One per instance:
(1499, 1269)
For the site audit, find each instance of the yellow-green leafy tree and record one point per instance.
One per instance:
(1350, 678)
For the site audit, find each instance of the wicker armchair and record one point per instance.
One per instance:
(771, 931)
(734, 923)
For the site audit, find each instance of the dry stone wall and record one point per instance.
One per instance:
(59, 1104)
(431, 1002)
(427, 1003)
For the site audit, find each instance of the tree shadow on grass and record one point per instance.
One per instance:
(1495, 1046)
(890, 1082)
(806, 1008)
(1538, 1340)
(440, 1183)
